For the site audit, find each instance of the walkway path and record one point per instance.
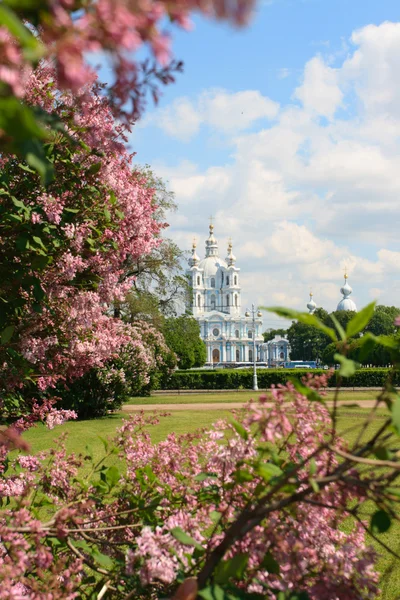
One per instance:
(221, 406)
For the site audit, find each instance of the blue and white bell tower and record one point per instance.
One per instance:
(216, 304)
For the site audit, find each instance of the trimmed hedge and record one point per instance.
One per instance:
(231, 379)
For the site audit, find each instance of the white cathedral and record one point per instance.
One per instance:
(231, 337)
(217, 306)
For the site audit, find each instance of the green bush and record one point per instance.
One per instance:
(233, 379)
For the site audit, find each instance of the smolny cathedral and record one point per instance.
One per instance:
(230, 336)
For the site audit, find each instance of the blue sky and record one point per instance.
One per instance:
(288, 133)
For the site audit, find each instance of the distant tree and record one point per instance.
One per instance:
(342, 316)
(269, 334)
(307, 342)
(382, 322)
(160, 286)
(182, 335)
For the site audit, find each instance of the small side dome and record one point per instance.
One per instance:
(231, 258)
(311, 305)
(194, 259)
(346, 303)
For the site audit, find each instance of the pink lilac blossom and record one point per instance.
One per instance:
(75, 331)
(195, 479)
(119, 28)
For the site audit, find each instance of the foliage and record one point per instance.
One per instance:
(64, 247)
(251, 517)
(234, 379)
(253, 508)
(269, 334)
(383, 320)
(309, 343)
(63, 33)
(182, 335)
(134, 372)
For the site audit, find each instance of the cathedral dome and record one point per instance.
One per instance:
(211, 265)
(212, 262)
(346, 303)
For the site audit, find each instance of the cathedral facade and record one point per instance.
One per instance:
(230, 337)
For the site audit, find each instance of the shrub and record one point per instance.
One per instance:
(139, 366)
(233, 379)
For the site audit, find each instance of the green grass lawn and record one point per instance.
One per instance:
(242, 396)
(84, 433)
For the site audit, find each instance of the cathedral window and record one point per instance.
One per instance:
(212, 302)
(212, 282)
(236, 302)
(198, 300)
(237, 355)
(251, 355)
(216, 332)
(235, 279)
(250, 334)
(227, 299)
(198, 280)
(237, 333)
(227, 281)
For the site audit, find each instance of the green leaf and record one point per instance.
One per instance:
(107, 214)
(105, 442)
(306, 391)
(347, 366)
(388, 341)
(204, 476)
(215, 516)
(312, 467)
(239, 429)
(305, 318)
(268, 470)
(95, 168)
(112, 476)
(22, 242)
(185, 538)
(360, 320)
(38, 291)
(30, 43)
(37, 159)
(367, 344)
(232, 568)
(338, 326)
(395, 410)
(18, 203)
(314, 485)
(380, 522)
(382, 453)
(39, 241)
(270, 564)
(243, 475)
(214, 592)
(102, 559)
(7, 334)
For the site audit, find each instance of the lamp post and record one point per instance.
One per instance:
(253, 312)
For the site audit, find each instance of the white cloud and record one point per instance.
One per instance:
(181, 120)
(320, 92)
(219, 109)
(314, 187)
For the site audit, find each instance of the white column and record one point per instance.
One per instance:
(223, 359)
